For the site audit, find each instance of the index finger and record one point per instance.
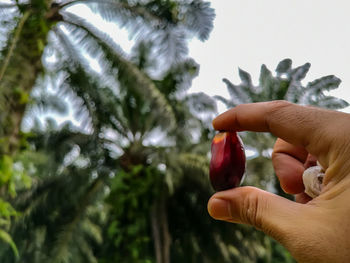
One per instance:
(296, 124)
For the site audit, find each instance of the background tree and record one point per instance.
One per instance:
(36, 24)
(35, 30)
(129, 166)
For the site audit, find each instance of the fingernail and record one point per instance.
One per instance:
(219, 209)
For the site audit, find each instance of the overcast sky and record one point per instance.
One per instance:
(248, 33)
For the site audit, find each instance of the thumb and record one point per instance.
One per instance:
(249, 205)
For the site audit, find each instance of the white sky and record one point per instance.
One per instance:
(248, 33)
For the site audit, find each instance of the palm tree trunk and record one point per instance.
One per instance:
(156, 234)
(160, 231)
(19, 71)
(165, 231)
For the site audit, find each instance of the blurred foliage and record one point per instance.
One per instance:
(129, 233)
(34, 32)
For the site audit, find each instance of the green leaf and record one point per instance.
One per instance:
(199, 18)
(227, 102)
(331, 102)
(6, 210)
(8, 239)
(50, 102)
(284, 66)
(245, 77)
(299, 73)
(6, 171)
(265, 76)
(201, 102)
(237, 93)
(129, 75)
(326, 83)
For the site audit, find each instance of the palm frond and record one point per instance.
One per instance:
(142, 56)
(286, 85)
(119, 11)
(92, 230)
(284, 66)
(201, 103)
(80, 84)
(5, 237)
(300, 72)
(49, 102)
(76, 80)
(69, 43)
(330, 102)
(61, 252)
(168, 23)
(129, 74)
(237, 92)
(199, 17)
(268, 83)
(177, 79)
(85, 250)
(325, 83)
(245, 78)
(172, 44)
(228, 103)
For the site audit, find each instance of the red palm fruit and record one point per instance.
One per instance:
(227, 165)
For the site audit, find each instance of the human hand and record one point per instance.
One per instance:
(316, 230)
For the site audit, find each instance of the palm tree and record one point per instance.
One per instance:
(151, 174)
(61, 213)
(35, 25)
(286, 84)
(117, 147)
(35, 31)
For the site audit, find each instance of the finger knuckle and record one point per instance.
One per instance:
(278, 112)
(252, 208)
(276, 105)
(275, 156)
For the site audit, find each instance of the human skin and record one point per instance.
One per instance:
(313, 230)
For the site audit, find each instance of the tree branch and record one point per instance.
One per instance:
(145, 85)
(13, 44)
(137, 10)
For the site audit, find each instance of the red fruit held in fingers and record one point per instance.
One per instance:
(227, 165)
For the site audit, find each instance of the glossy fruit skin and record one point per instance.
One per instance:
(227, 165)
